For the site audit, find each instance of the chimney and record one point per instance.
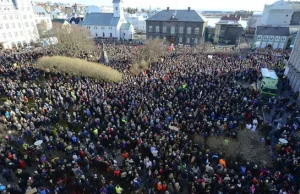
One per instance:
(189, 8)
(168, 8)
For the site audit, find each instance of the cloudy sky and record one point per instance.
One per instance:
(182, 4)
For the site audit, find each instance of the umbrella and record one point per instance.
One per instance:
(38, 142)
(284, 141)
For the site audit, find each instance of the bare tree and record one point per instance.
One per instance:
(152, 50)
(72, 40)
(148, 53)
(42, 28)
(250, 23)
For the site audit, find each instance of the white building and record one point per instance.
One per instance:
(42, 17)
(58, 14)
(17, 23)
(109, 25)
(138, 21)
(106, 9)
(277, 14)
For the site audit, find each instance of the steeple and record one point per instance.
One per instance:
(118, 8)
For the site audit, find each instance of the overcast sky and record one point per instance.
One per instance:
(183, 4)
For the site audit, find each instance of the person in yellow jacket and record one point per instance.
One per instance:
(118, 189)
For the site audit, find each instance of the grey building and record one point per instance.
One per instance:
(269, 36)
(177, 26)
(228, 30)
(293, 67)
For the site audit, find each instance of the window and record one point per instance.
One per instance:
(26, 24)
(277, 38)
(4, 17)
(96, 34)
(181, 29)
(16, 34)
(102, 28)
(10, 17)
(150, 28)
(13, 25)
(116, 8)
(9, 34)
(7, 26)
(173, 30)
(157, 29)
(283, 39)
(164, 29)
(3, 35)
(196, 41)
(271, 38)
(24, 16)
(103, 35)
(265, 38)
(180, 40)
(259, 37)
(110, 28)
(21, 33)
(188, 40)
(197, 31)
(287, 15)
(189, 30)
(110, 34)
(1, 26)
(95, 27)
(19, 25)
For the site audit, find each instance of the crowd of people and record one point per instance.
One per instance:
(68, 134)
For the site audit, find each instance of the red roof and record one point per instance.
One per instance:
(231, 17)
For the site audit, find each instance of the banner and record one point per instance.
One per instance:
(210, 56)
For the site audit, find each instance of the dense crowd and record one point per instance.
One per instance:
(136, 136)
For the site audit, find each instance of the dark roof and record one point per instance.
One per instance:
(100, 19)
(231, 17)
(275, 31)
(75, 20)
(181, 15)
(59, 21)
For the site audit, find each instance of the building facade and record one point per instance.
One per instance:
(17, 24)
(42, 17)
(293, 67)
(109, 25)
(177, 26)
(277, 14)
(268, 36)
(228, 30)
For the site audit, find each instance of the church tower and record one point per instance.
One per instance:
(118, 9)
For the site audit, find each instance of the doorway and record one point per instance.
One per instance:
(172, 39)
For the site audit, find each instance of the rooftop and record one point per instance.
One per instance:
(100, 19)
(270, 30)
(178, 15)
(231, 17)
(268, 73)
